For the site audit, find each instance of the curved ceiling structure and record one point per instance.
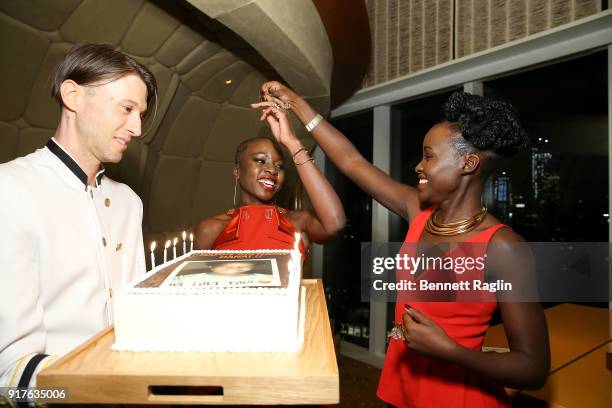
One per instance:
(209, 58)
(348, 30)
(297, 48)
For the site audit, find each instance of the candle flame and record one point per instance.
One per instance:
(175, 241)
(167, 244)
(153, 246)
(190, 236)
(184, 235)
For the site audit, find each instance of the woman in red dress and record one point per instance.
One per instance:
(259, 174)
(438, 361)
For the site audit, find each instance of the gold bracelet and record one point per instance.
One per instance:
(305, 161)
(303, 149)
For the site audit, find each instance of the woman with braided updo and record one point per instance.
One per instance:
(436, 360)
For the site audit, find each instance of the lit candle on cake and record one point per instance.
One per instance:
(296, 257)
(191, 239)
(295, 261)
(296, 247)
(153, 245)
(166, 250)
(184, 242)
(174, 247)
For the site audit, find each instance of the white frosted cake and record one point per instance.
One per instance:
(215, 301)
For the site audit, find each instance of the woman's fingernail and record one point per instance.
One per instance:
(407, 307)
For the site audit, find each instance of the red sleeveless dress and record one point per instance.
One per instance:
(258, 227)
(412, 380)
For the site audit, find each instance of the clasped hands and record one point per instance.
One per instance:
(424, 336)
(275, 104)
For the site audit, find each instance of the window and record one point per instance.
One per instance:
(558, 189)
(350, 316)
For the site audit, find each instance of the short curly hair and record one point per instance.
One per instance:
(485, 124)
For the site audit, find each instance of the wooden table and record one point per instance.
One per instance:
(573, 330)
(93, 373)
(584, 383)
(579, 338)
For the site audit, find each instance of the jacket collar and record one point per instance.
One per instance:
(65, 158)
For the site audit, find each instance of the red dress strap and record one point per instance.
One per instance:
(486, 235)
(417, 224)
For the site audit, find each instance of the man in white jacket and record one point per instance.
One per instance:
(69, 235)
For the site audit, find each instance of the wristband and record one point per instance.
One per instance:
(314, 122)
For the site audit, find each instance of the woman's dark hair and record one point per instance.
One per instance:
(89, 63)
(486, 124)
(245, 143)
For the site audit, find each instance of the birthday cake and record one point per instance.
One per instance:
(215, 301)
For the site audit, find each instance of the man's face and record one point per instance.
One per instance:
(110, 115)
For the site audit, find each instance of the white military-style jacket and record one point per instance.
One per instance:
(64, 248)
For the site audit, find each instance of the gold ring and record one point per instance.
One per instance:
(398, 332)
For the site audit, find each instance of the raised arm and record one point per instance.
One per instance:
(397, 197)
(328, 218)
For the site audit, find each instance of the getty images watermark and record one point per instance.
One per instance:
(412, 264)
(549, 272)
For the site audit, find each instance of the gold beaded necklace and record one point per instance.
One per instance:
(435, 227)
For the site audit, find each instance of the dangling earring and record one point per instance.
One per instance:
(235, 188)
